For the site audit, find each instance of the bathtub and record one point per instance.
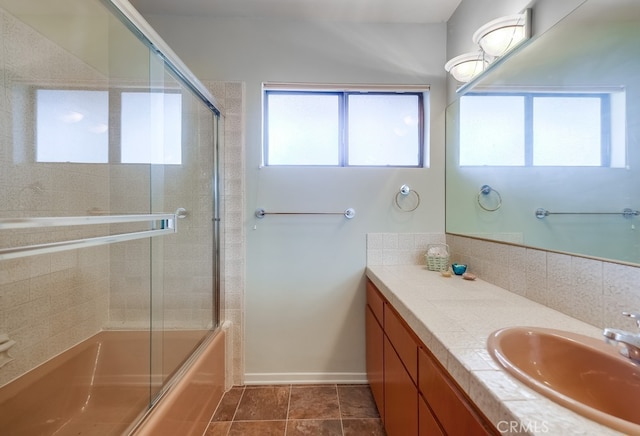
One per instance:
(102, 387)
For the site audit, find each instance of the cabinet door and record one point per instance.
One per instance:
(402, 340)
(375, 301)
(375, 359)
(400, 396)
(427, 424)
(453, 410)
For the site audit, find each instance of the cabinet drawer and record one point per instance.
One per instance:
(375, 359)
(402, 340)
(375, 301)
(452, 409)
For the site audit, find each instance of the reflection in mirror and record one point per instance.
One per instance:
(555, 127)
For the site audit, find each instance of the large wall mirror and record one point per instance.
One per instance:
(544, 149)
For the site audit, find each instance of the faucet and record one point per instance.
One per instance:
(629, 342)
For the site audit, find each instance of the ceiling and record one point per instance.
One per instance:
(372, 11)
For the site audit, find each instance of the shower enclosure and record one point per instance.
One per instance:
(108, 214)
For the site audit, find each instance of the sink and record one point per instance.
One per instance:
(581, 373)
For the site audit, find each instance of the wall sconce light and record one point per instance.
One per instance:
(495, 39)
(499, 36)
(465, 67)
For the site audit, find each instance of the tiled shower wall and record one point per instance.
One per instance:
(590, 290)
(182, 288)
(231, 97)
(47, 302)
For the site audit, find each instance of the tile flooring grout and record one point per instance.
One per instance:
(318, 409)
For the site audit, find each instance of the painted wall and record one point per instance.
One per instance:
(304, 299)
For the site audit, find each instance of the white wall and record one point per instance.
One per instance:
(304, 297)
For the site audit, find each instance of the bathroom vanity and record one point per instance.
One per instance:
(413, 392)
(428, 364)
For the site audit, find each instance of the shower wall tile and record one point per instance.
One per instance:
(231, 98)
(51, 302)
(47, 302)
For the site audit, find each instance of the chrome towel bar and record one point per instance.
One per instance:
(627, 213)
(349, 213)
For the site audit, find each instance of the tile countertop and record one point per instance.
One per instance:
(454, 317)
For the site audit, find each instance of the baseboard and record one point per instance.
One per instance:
(305, 378)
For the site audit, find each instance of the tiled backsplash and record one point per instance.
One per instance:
(590, 290)
(400, 248)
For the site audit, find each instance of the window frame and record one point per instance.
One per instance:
(343, 121)
(529, 97)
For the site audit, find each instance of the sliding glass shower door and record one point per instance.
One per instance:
(101, 138)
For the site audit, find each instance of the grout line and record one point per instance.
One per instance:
(286, 419)
(235, 412)
(340, 409)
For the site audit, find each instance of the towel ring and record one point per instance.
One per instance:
(404, 192)
(485, 190)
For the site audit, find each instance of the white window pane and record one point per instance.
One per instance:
(303, 129)
(384, 130)
(72, 126)
(140, 143)
(492, 130)
(566, 131)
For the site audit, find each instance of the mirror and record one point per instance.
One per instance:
(543, 150)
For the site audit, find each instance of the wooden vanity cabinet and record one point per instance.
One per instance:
(428, 424)
(455, 413)
(374, 346)
(413, 393)
(400, 396)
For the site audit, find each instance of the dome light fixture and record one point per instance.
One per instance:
(503, 34)
(465, 67)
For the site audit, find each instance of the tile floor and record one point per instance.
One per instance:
(292, 410)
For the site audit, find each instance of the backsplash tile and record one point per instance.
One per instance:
(400, 248)
(591, 290)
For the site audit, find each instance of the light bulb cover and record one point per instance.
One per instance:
(501, 35)
(466, 66)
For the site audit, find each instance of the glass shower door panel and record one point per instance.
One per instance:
(64, 67)
(183, 264)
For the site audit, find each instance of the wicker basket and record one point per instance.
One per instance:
(437, 257)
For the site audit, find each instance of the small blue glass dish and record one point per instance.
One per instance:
(459, 268)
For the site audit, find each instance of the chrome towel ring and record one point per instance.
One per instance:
(404, 196)
(483, 197)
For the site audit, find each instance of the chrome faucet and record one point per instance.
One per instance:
(628, 342)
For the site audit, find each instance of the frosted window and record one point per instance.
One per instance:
(384, 130)
(567, 131)
(492, 130)
(543, 129)
(303, 129)
(72, 126)
(340, 128)
(142, 144)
